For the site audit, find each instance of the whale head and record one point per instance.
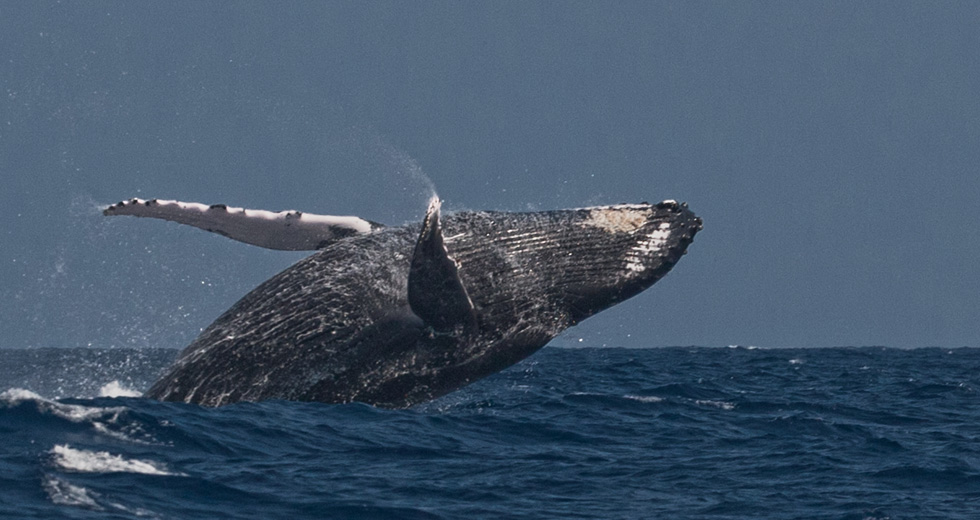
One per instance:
(619, 251)
(532, 275)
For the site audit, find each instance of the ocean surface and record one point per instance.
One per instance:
(713, 433)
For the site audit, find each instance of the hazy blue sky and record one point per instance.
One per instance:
(832, 149)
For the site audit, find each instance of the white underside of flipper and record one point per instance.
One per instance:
(284, 230)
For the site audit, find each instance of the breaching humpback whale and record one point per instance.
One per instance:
(395, 316)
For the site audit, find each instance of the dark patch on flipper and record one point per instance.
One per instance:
(435, 291)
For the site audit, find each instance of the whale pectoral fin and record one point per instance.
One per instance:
(285, 230)
(435, 291)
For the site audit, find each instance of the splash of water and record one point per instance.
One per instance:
(403, 164)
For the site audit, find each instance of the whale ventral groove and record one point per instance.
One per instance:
(396, 316)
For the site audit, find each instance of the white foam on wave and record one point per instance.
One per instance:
(645, 398)
(132, 433)
(14, 396)
(116, 389)
(724, 405)
(66, 494)
(85, 461)
(73, 412)
(105, 420)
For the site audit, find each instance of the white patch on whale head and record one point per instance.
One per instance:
(651, 244)
(618, 219)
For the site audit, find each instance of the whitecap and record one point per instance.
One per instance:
(133, 433)
(14, 396)
(105, 420)
(645, 398)
(72, 412)
(85, 461)
(65, 494)
(116, 389)
(724, 405)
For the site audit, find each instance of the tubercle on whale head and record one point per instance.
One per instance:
(663, 238)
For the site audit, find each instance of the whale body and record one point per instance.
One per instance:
(396, 316)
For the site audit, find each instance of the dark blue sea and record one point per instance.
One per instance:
(713, 433)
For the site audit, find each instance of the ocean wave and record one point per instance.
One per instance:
(601, 433)
(724, 405)
(71, 412)
(645, 398)
(110, 421)
(64, 493)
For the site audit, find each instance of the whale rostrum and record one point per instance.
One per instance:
(396, 316)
